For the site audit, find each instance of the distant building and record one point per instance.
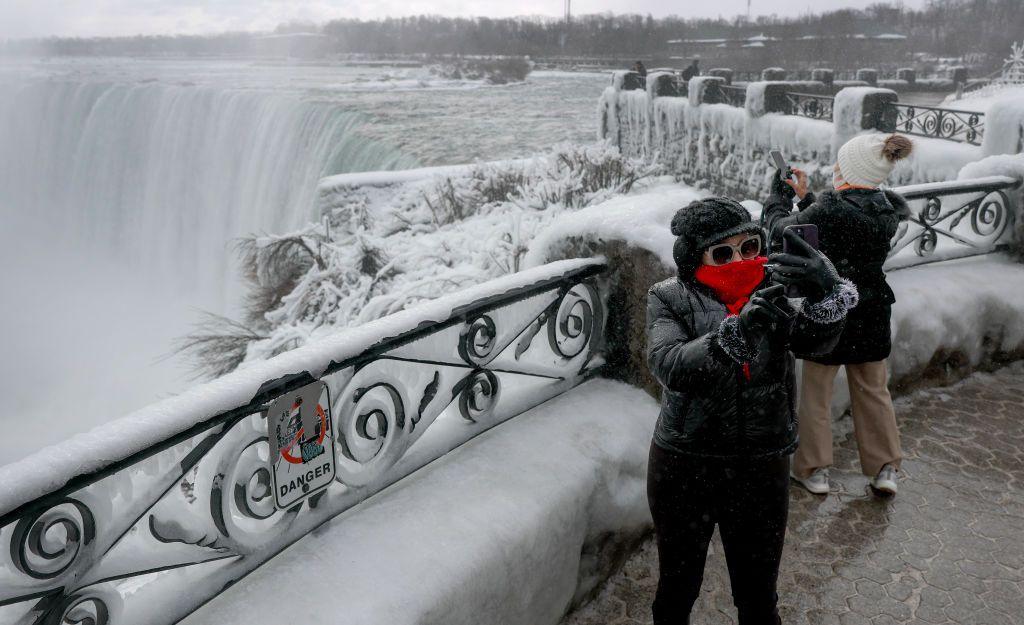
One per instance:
(840, 51)
(290, 45)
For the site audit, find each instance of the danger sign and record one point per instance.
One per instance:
(301, 439)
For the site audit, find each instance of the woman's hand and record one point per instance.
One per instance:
(800, 184)
(766, 313)
(808, 268)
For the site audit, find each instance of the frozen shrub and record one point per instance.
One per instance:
(379, 253)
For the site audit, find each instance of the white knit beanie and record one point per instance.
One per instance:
(867, 160)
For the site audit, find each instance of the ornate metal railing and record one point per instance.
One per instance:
(731, 95)
(810, 105)
(955, 219)
(181, 511)
(940, 123)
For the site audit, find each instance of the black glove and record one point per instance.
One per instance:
(767, 315)
(806, 267)
(780, 188)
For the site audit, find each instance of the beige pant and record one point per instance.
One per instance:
(874, 420)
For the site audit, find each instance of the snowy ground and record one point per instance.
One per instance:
(506, 530)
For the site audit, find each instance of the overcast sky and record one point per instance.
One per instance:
(83, 18)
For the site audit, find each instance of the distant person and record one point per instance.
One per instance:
(639, 68)
(719, 340)
(692, 70)
(856, 222)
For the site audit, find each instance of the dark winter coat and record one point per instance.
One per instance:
(710, 407)
(855, 227)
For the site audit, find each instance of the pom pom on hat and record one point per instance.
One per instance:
(867, 160)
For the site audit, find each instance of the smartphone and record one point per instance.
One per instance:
(807, 232)
(780, 163)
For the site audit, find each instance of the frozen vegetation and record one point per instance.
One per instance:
(381, 248)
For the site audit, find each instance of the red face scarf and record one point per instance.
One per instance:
(734, 282)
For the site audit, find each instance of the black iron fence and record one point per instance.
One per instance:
(911, 119)
(729, 94)
(809, 105)
(940, 123)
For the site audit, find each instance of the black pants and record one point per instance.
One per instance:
(748, 499)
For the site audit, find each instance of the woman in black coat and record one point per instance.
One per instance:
(719, 342)
(856, 223)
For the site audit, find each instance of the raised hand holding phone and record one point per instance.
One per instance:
(801, 267)
(789, 181)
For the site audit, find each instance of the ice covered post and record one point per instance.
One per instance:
(958, 75)
(664, 84)
(857, 109)
(868, 75)
(1004, 128)
(767, 97)
(722, 72)
(704, 89)
(824, 76)
(773, 73)
(907, 74)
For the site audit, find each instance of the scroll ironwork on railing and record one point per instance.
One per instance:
(955, 219)
(731, 95)
(929, 121)
(161, 529)
(810, 105)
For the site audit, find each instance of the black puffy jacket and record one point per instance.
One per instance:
(855, 227)
(709, 407)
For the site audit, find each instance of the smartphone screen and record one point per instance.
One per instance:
(807, 232)
(779, 160)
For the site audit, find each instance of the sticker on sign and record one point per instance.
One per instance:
(301, 444)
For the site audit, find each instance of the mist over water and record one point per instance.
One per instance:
(124, 183)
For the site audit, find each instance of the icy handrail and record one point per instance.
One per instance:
(142, 520)
(955, 219)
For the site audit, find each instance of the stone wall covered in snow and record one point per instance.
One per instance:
(711, 139)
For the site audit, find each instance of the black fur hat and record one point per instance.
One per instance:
(704, 222)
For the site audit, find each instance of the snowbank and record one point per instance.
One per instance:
(512, 528)
(641, 221)
(972, 306)
(934, 160)
(1011, 165)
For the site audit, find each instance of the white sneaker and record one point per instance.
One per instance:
(817, 482)
(885, 481)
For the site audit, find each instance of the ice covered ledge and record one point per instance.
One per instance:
(513, 528)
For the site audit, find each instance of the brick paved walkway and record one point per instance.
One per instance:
(948, 549)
